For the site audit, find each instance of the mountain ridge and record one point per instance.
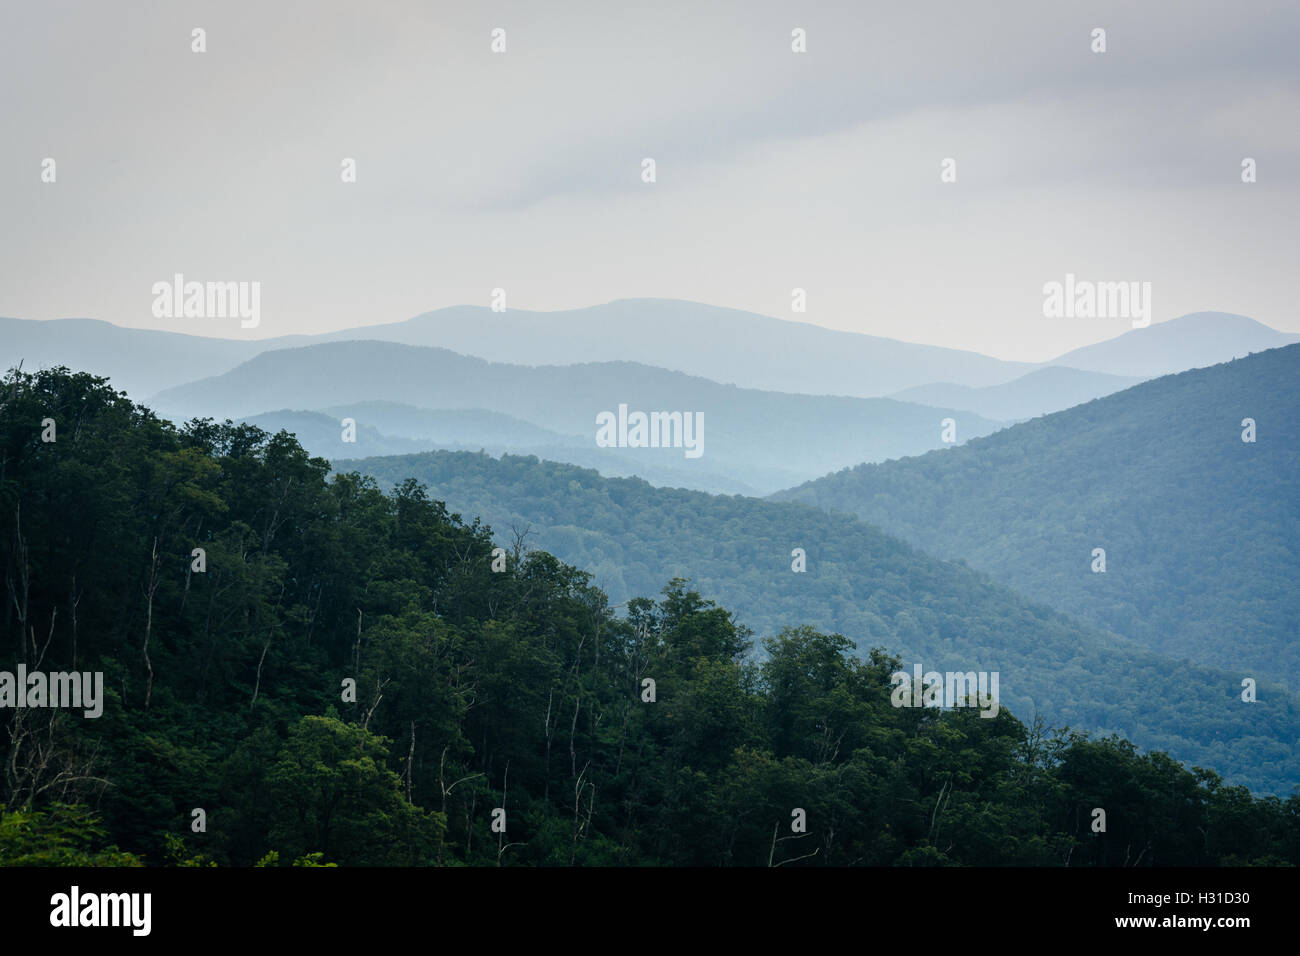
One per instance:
(869, 586)
(1198, 526)
(766, 439)
(724, 345)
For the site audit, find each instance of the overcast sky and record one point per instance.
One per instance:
(775, 170)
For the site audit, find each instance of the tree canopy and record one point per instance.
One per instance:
(300, 668)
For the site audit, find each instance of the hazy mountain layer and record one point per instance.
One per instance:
(138, 361)
(1199, 528)
(726, 345)
(323, 435)
(764, 439)
(1196, 340)
(1047, 390)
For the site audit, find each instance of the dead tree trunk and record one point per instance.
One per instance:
(148, 625)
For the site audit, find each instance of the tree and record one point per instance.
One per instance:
(334, 796)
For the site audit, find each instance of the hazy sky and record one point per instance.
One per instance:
(774, 169)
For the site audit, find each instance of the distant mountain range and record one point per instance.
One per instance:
(1046, 390)
(725, 345)
(758, 351)
(139, 362)
(1198, 527)
(474, 428)
(766, 440)
(1197, 340)
(405, 432)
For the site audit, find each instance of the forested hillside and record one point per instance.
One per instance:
(477, 690)
(874, 589)
(1199, 527)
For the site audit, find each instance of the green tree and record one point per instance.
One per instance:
(333, 795)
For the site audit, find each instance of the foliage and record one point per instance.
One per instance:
(876, 590)
(228, 690)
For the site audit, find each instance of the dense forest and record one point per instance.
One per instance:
(1198, 526)
(490, 687)
(877, 591)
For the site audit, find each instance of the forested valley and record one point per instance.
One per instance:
(333, 674)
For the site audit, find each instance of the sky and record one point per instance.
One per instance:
(775, 170)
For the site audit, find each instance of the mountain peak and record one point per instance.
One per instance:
(1195, 340)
